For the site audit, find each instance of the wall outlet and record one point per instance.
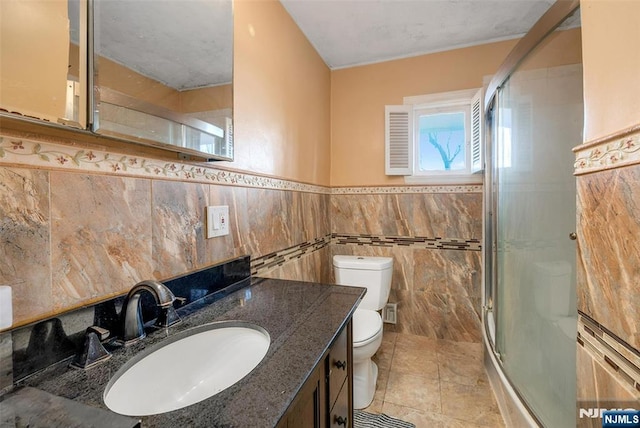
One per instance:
(217, 221)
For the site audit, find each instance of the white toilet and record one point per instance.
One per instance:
(373, 273)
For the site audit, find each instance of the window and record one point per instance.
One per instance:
(441, 141)
(435, 137)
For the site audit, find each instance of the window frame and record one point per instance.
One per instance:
(441, 101)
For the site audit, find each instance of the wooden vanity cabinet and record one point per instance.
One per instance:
(340, 380)
(326, 398)
(307, 409)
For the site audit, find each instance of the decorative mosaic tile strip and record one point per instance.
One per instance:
(279, 258)
(609, 350)
(269, 261)
(472, 188)
(24, 152)
(402, 241)
(614, 151)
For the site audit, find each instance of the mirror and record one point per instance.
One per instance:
(42, 71)
(163, 74)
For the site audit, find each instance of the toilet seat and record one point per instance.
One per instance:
(367, 324)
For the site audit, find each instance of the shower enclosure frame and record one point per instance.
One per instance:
(553, 18)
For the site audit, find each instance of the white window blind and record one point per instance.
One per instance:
(477, 160)
(398, 140)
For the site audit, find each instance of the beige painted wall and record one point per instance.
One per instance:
(34, 36)
(281, 96)
(203, 99)
(359, 94)
(611, 51)
(127, 81)
(122, 79)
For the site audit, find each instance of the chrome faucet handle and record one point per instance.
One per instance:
(133, 324)
(167, 318)
(93, 352)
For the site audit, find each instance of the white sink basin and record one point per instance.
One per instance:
(187, 368)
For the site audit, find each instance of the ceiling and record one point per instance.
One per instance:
(353, 32)
(344, 32)
(166, 43)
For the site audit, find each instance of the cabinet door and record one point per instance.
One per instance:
(338, 365)
(308, 410)
(340, 414)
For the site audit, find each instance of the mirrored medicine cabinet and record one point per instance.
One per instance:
(157, 73)
(43, 74)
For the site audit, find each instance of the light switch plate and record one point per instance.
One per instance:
(217, 221)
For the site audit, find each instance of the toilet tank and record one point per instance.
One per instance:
(373, 273)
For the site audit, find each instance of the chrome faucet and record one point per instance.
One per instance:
(133, 324)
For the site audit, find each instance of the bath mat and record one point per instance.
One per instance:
(368, 420)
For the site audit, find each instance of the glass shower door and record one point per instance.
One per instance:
(537, 121)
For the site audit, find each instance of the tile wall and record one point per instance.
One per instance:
(433, 233)
(71, 236)
(81, 226)
(608, 217)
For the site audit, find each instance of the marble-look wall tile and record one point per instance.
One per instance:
(608, 228)
(179, 226)
(110, 231)
(279, 219)
(438, 316)
(237, 242)
(457, 273)
(261, 221)
(270, 220)
(315, 218)
(25, 247)
(597, 387)
(438, 291)
(101, 236)
(450, 215)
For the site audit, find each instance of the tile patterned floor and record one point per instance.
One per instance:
(433, 383)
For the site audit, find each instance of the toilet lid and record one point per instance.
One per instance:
(366, 324)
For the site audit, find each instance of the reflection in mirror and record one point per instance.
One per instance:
(163, 74)
(42, 66)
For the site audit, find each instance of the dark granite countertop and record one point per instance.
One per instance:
(302, 319)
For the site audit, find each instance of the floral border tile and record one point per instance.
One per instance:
(614, 151)
(26, 152)
(368, 190)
